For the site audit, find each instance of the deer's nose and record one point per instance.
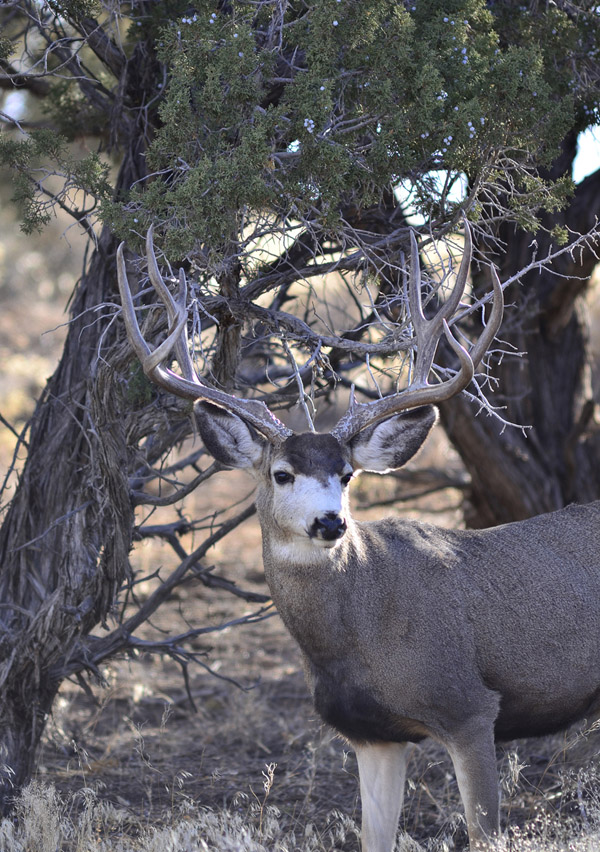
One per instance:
(329, 526)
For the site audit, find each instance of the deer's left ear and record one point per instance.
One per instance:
(391, 443)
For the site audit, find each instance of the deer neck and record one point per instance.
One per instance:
(310, 587)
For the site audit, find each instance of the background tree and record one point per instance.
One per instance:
(278, 150)
(549, 389)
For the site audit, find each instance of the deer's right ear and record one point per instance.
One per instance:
(227, 437)
(389, 444)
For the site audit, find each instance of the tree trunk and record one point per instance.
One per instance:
(66, 535)
(556, 460)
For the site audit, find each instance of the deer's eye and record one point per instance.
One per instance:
(346, 478)
(282, 476)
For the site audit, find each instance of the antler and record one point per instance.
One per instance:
(427, 336)
(188, 386)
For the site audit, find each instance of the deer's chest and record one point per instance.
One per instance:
(356, 713)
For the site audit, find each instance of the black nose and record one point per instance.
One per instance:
(329, 527)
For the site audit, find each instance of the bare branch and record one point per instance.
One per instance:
(91, 652)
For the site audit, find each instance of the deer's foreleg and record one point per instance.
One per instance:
(382, 771)
(474, 759)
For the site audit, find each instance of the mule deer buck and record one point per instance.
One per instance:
(407, 630)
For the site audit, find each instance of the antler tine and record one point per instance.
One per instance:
(426, 342)
(427, 336)
(493, 324)
(150, 358)
(177, 311)
(428, 332)
(139, 345)
(188, 386)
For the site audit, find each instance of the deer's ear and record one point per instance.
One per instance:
(227, 437)
(391, 443)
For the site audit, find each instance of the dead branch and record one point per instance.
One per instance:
(92, 650)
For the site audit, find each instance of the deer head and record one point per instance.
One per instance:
(302, 479)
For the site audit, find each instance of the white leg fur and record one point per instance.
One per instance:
(382, 771)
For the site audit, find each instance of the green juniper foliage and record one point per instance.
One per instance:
(26, 158)
(276, 111)
(328, 106)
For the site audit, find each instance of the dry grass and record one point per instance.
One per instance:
(563, 814)
(131, 766)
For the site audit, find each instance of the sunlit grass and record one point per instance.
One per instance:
(46, 821)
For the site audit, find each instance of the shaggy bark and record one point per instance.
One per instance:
(67, 532)
(66, 535)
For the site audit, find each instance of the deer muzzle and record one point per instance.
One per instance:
(329, 527)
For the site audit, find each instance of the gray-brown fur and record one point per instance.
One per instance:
(409, 630)
(519, 636)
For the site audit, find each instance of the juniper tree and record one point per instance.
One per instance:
(281, 152)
